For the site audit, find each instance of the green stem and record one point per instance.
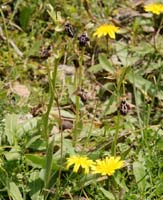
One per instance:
(114, 145)
(107, 44)
(49, 146)
(61, 148)
(137, 106)
(52, 83)
(91, 127)
(78, 84)
(77, 104)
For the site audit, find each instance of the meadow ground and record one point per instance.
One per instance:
(81, 100)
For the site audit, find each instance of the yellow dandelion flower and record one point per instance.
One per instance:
(155, 8)
(107, 166)
(106, 29)
(79, 161)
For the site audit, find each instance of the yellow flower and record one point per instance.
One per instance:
(106, 29)
(79, 161)
(107, 166)
(155, 8)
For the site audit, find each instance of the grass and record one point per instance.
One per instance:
(59, 98)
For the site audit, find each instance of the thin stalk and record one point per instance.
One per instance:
(137, 107)
(61, 147)
(107, 44)
(49, 146)
(51, 99)
(91, 127)
(78, 84)
(114, 145)
(77, 105)
(123, 88)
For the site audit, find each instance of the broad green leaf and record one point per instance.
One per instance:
(125, 153)
(122, 52)
(37, 144)
(104, 64)
(14, 191)
(111, 105)
(95, 68)
(140, 83)
(3, 176)
(35, 185)
(11, 127)
(68, 148)
(33, 140)
(159, 190)
(54, 114)
(33, 51)
(119, 179)
(107, 194)
(35, 161)
(49, 163)
(139, 173)
(27, 126)
(160, 144)
(143, 49)
(38, 161)
(122, 75)
(70, 9)
(25, 15)
(13, 154)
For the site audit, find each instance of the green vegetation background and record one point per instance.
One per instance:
(58, 98)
